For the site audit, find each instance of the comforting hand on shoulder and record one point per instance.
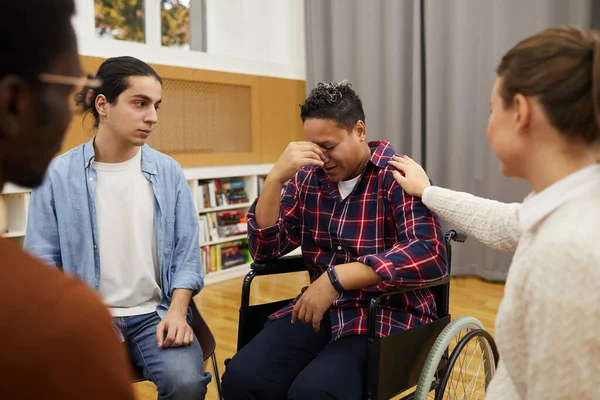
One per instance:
(313, 303)
(174, 331)
(414, 179)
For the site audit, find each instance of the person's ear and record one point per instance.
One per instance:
(101, 105)
(16, 105)
(523, 112)
(360, 129)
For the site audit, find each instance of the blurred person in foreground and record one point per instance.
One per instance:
(57, 338)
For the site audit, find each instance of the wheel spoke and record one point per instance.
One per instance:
(475, 379)
(469, 372)
(470, 361)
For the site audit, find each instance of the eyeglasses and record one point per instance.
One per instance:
(77, 81)
(74, 81)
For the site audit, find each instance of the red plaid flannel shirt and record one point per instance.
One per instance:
(378, 224)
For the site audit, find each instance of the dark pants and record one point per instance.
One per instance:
(292, 361)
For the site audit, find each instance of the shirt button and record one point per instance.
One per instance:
(95, 247)
(339, 247)
(91, 179)
(94, 211)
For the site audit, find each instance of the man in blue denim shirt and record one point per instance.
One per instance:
(120, 216)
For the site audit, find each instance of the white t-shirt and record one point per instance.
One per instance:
(346, 187)
(129, 270)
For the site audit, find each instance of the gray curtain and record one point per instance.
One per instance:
(370, 43)
(375, 45)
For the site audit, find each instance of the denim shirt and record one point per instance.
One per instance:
(62, 227)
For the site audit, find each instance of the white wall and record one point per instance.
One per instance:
(263, 30)
(258, 37)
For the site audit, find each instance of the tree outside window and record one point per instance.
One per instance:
(125, 20)
(175, 23)
(120, 19)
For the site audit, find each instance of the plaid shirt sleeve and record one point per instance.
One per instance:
(419, 255)
(282, 237)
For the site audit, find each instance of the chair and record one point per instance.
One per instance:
(207, 343)
(428, 352)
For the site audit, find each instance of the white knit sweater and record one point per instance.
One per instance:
(548, 324)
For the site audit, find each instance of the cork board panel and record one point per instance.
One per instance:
(280, 115)
(203, 117)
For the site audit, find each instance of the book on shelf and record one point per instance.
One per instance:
(221, 225)
(261, 183)
(208, 230)
(231, 223)
(225, 255)
(221, 192)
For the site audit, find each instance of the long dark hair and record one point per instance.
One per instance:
(114, 73)
(561, 67)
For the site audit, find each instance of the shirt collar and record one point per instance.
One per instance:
(538, 206)
(381, 153)
(148, 160)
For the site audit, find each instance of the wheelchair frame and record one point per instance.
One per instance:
(386, 374)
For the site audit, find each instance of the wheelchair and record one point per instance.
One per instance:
(443, 359)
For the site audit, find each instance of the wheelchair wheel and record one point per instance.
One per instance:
(460, 364)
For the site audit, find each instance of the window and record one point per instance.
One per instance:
(183, 24)
(175, 23)
(154, 22)
(120, 19)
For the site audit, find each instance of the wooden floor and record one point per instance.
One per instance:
(219, 304)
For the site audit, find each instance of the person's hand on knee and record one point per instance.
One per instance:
(174, 331)
(314, 302)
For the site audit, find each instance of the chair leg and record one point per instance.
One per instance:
(217, 376)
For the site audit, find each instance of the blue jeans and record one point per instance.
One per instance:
(177, 372)
(288, 361)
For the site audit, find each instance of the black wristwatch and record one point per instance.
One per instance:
(334, 279)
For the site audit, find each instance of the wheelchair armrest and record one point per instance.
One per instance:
(409, 288)
(374, 303)
(279, 266)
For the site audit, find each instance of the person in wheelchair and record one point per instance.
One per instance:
(360, 235)
(544, 127)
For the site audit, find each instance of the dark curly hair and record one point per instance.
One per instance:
(333, 101)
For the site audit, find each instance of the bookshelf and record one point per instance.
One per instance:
(16, 200)
(222, 196)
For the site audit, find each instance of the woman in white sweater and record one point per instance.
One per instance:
(544, 127)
